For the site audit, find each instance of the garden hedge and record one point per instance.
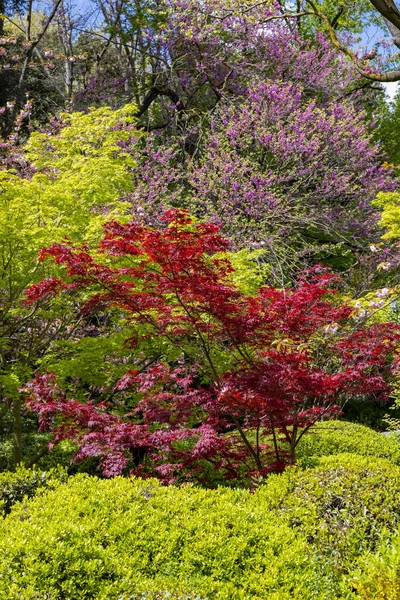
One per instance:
(336, 437)
(301, 535)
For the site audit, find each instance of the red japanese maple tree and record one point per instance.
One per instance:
(255, 373)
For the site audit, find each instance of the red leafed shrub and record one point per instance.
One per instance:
(274, 364)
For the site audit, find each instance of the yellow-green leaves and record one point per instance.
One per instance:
(81, 175)
(390, 218)
(299, 536)
(250, 269)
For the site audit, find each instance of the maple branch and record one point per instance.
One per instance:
(247, 443)
(34, 459)
(276, 448)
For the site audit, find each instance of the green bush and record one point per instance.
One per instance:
(337, 437)
(123, 537)
(343, 505)
(301, 535)
(15, 486)
(378, 575)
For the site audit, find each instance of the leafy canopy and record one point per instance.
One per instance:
(77, 175)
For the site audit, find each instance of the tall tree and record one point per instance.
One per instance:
(69, 189)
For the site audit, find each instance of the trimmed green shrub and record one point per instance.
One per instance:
(301, 535)
(378, 575)
(343, 505)
(336, 437)
(116, 538)
(15, 486)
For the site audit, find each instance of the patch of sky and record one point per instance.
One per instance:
(372, 36)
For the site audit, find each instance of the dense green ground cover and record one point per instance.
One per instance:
(327, 529)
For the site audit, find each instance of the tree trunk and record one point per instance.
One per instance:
(17, 431)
